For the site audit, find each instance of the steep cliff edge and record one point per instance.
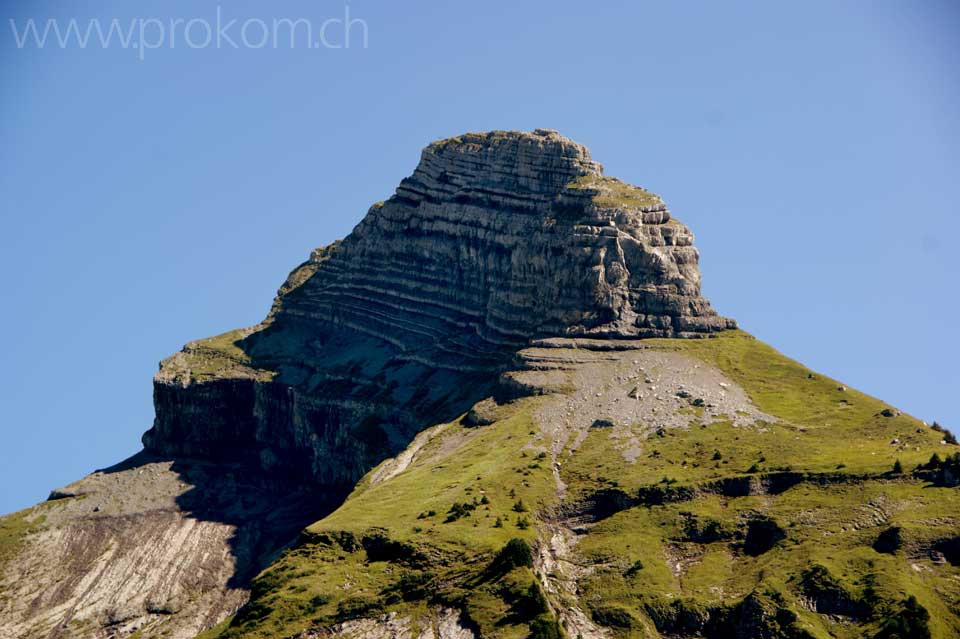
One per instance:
(510, 236)
(484, 413)
(494, 240)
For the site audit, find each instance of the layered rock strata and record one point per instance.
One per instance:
(496, 239)
(506, 236)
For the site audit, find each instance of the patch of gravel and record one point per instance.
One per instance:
(396, 465)
(634, 394)
(559, 576)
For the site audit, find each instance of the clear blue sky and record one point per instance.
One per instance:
(814, 149)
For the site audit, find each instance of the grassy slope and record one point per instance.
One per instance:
(14, 529)
(214, 358)
(614, 193)
(317, 582)
(823, 430)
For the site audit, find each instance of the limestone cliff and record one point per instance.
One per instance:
(500, 237)
(494, 240)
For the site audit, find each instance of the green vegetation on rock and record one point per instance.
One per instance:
(14, 529)
(611, 193)
(221, 356)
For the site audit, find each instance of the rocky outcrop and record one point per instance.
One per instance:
(444, 624)
(309, 404)
(495, 240)
(500, 237)
(149, 548)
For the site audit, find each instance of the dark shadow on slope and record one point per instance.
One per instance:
(267, 513)
(274, 437)
(317, 404)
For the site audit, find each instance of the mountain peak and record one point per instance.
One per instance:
(504, 237)
(465, 366)
(539, 162)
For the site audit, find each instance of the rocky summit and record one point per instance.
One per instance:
(503, 237)
(500, 407)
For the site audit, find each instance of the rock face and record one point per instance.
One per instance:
(149, 548)
(506, 236)
(495, 240)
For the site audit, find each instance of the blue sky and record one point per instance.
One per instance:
(155, 196)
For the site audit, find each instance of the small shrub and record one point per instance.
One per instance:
(897, 468)
(519, 506)
(527, 603)
(458, 511)
(948, 437)
(516, 553)
(634, 569)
